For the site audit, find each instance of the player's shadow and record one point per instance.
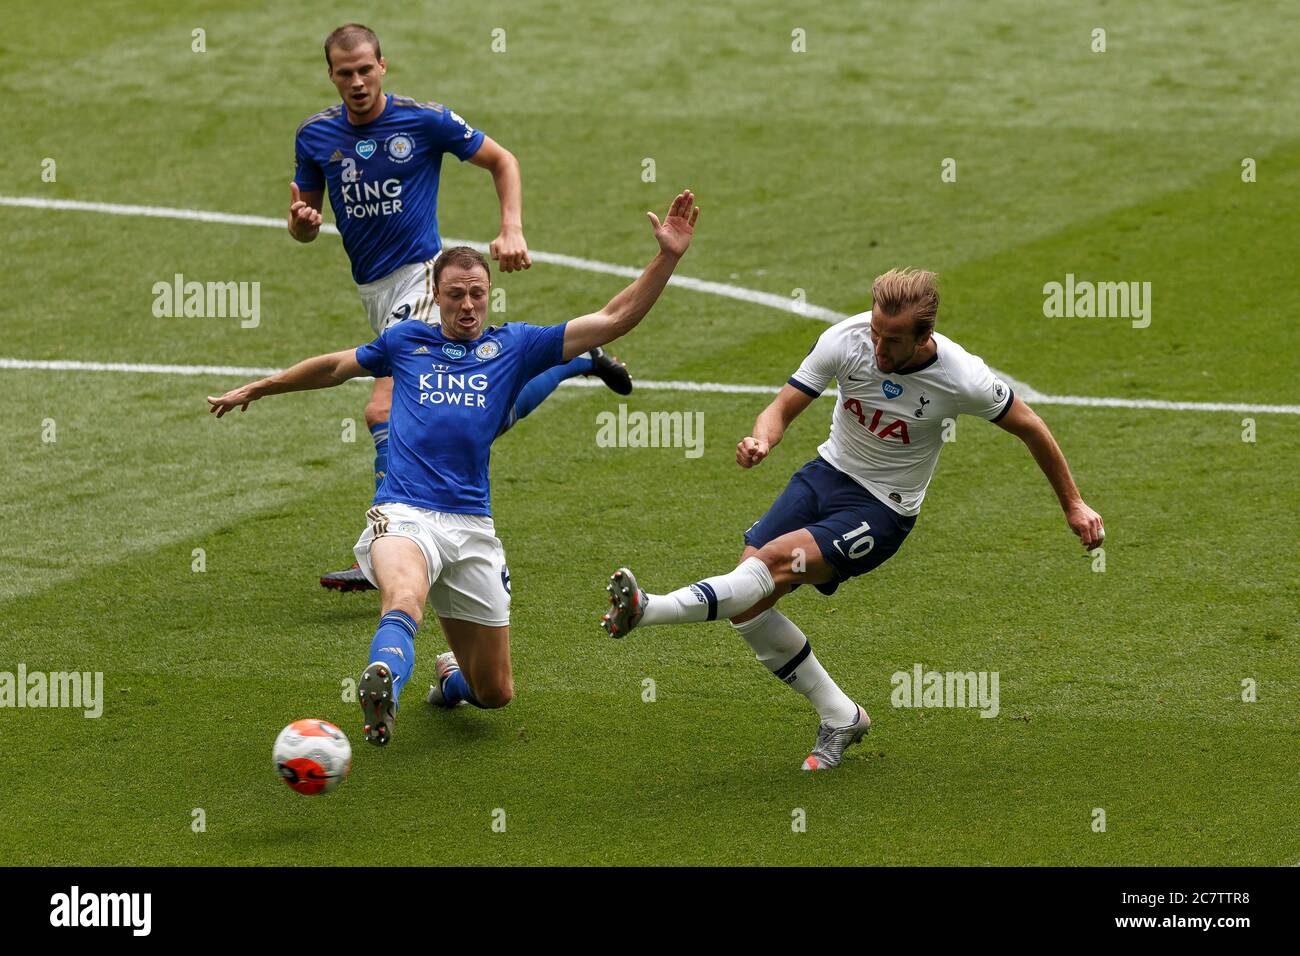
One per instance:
(462, 725)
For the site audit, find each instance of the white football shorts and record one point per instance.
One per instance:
(468, 577)
(405, 293)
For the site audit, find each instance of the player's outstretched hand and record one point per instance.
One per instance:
(750, 451)
(510, 250)
(235, 398)
(303, 219)
(1086, 523)
(674, 233)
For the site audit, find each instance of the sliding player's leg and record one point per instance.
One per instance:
(477, 668)
(402, 568)
(596, 362)
(472, 600)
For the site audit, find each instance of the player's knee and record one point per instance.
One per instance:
(405, 599)
(779, 563)
(495, 693)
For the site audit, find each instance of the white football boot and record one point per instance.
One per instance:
(833, 741)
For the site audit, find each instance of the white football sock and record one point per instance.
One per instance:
(783, 649)
(724, 596)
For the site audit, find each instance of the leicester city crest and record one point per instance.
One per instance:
(486, 351)
(399, 147)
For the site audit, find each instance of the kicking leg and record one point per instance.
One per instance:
(782, 648)
(748, 595)
(477, 669)
(791, 559)
(402, 571)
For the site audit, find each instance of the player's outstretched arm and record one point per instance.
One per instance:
(321, 371)
(626, 309)
(1022, 422)
(770, 426)
(304, 213)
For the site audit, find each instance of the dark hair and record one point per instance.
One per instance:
(462, 256)
(349, 37)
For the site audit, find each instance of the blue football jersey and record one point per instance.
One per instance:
(450, 400)
(382, 178)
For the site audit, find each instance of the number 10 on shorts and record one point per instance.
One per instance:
(859, 548)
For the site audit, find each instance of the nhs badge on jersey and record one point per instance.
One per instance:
(452, 350)
(891, 389)
(400, 148)
(488, 350)
(366, 148)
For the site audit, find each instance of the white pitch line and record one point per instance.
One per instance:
(726, 388)
(66, 365)
(770, 300)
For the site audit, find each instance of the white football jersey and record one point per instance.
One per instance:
(887, 428)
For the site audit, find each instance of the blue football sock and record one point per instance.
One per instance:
(535, 392)
(394, 644)
(455, 688)
(379, 432)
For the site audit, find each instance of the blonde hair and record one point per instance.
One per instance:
(900, 290)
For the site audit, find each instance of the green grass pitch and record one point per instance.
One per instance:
(1120, 690)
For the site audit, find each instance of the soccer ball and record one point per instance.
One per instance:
(312, 756)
